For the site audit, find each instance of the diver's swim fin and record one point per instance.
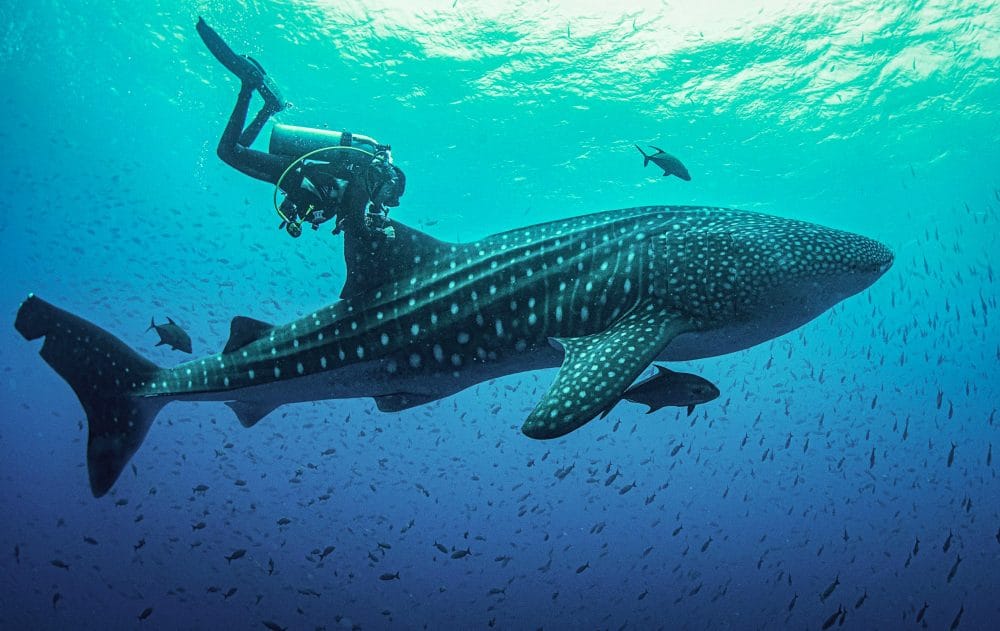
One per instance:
(247, 69)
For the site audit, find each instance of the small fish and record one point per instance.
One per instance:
(829, 590)
(833, 617)
(201, 488)
(273, 626)
(861, 600)
(384, 546)
(951, 454)
(669, 388)
(139, 544)
(705, 545)
(90, 540)
(229, 592)
(954, 568)
(442, 549)
(677, 447)
(625, 489)
(612, 477)
(270, 567)
(147, 612)
(916, 546)
(17, 551)
(198, 526)
(947, 542)
(284, 521)
(389, 577)
(458, 554)
(667, 162)
(236, 554)
(583, 567)
(923, 610)
(562, 472)
(56, 597)
(791, 605)
(60, 564)
(958, 619)
(172, 335)
(326, 552)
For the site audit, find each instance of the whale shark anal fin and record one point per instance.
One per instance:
(598, 368)
(250, 412)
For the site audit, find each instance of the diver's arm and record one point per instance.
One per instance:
(257, 164)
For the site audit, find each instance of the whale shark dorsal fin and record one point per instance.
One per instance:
(243, 330)
(598, 368)
(372, 260)
(249, 412)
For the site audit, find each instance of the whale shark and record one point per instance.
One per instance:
(600, 296)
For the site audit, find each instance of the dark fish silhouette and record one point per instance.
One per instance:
(829, 590)
(667, 162)
(833, 617)
(147, 612)
(389, 576)
(236, 554)
(666, 387)
(923, 610)
(172, 335)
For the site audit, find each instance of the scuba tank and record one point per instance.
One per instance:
(293, 141)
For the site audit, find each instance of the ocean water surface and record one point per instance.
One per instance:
(844, 478)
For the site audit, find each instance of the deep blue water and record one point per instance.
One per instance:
(879, 121)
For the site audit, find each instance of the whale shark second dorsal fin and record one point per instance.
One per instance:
(243, 330)
(373, 260)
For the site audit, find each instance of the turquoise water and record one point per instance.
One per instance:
(881, 121)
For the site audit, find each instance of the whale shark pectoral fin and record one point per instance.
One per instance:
(249, 412)
(598, 368)
(403, 401)
(243, 330)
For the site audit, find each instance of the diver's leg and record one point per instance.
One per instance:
(253, 129)
(233, 151)
(234, 127)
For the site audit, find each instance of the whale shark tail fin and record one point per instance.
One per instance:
(645, 156)
(103, 372)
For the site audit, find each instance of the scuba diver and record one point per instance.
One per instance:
(345, 177)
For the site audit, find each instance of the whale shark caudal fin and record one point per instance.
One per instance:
(598, 368)
(102, 370)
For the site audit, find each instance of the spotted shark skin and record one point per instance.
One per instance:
(601, 295)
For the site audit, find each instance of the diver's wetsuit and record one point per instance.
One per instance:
(346, 198)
